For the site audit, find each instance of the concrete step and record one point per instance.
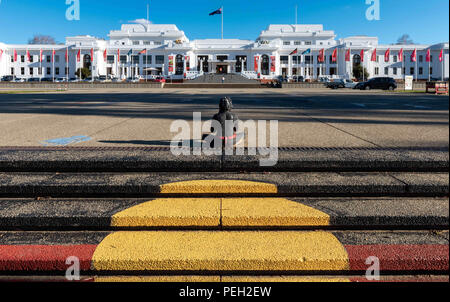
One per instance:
(224, 252)
(160, 159)
(170, 184)
(225, 214)
(214, 85)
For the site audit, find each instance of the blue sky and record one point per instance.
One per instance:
(426, 22)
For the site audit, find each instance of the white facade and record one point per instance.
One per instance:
(171, 53)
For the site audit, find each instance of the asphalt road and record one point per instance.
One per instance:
(309, 119)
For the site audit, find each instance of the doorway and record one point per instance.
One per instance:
(221, 69)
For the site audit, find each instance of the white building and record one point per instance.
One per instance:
(171, 53)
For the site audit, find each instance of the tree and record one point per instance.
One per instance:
(405, 39)
(85, 73)
(42, 39)
(358, 72)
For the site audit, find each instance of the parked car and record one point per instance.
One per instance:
(104, 79)
(18, 80)
(132, 80)
(349, 83)
(33, 80)
(8, 78)
(385, 83)
(298, 79)
(46, 80)
(324, 80)
(159, 79)
(60, 80)
(359, 85)
(338, 83)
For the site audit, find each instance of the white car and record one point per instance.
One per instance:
(349, 83)
(18, 80)
(60, 80)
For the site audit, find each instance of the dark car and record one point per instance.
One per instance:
(46, 80)
(339, 83)
(8, 78)
(384, 83)
(298, 79)
(33, 80)
(359, 85)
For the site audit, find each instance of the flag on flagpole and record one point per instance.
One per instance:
(67, 55)
(92, 55)
(216, 12)
(441, 55)
(347, 55)
(321, 57)
(400, 55)
(130, 52)
(414, 56)
(428, 56)
(387, 55)
(53, 55)
(374, 55)
(362, 55)
(1, 53)
(295, 51)
(15, 55)
(40, 55)
(28, 56)
(334, 56)
(307, 52)
(79, 55)
(104, 55)
(143, 51)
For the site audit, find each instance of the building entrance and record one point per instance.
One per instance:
(222, 69)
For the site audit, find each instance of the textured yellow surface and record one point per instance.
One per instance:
(218, 279)
(217, 187)
(157, 279)
(270, 212)
(220, 251)
(171, 212)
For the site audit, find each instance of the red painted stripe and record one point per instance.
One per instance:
(399, 257)
(398, 279)
(44, 257)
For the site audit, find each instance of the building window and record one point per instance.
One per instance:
(411, 71)
(57, 70)
(66, 70)
(431, 58)
(420, 58)
(22, 59)
(134, 59)
(331, 60)
(136, 43)
(431, 70)
(49, 71)
(377, 71)
(12, 59)
(146, 42)
(110, 59)
(147, 60)
(297, 42)
(158, 43)
(378, 59)
(284, 59)
(287, 43)
(40, 71)
(159, 59)
(295, 59)
(12, 70)
(31, 59)
(31, 71)
(420, 70)
(395, 59)
(386, 70)
(49, 59)
(265, 65)
(308, 43)
(56, 59)
(308, 59)
(394, 70)
(22, 70)
(123, 59)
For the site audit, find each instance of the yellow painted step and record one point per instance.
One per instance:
(220, 251)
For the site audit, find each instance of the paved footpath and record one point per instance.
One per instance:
(155, 222)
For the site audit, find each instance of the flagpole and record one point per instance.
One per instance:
(222, 22)
(53, 64)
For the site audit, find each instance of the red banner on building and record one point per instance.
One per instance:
(414, 56)
(273, 63)
(387, 55)
(428, 57)
(321, 57)
(256, 63)
(441, 55)
(170, 63)
(374, 55)
(334, 56)
(400, 55)
(347, 55)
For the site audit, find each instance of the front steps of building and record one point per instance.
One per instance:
(134, 214)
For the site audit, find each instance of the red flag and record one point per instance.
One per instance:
(79, 55)
(92, 55)
(118, 55)
(347, 55)
(441, 55)
(28, 56)
(334, 56)
(67, 54)
(374, 55)
(414, 56)
(400, 55)
(104, 55)
(15, 55)
(321, 57)
(295, 51)
(1, 53)
(362, 55)
(40, 55)
(143, 51)
(428, 57)
(387, 55)
(53, 55)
